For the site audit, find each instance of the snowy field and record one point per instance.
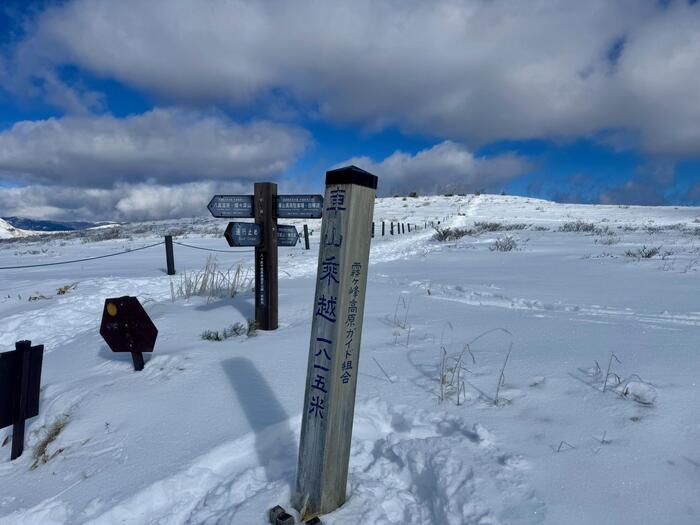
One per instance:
(488, 392)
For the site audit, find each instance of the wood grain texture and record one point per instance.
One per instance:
(325, 441)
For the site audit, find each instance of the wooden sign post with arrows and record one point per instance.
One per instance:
(265, 206)
(336, 329)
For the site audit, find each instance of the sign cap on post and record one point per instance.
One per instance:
(352, 175)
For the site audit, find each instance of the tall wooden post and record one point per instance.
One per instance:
(24, 348)
(336, 329)
(169, 256)
(266, 296)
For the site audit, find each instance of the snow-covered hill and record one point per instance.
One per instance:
(7, 231)
(595, 418)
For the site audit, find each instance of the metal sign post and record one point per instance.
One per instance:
(20, 382)
(334, 352)
(265, 206)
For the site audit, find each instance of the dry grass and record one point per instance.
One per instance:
(41, 454)
(212, 282)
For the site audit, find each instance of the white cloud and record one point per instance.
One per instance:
(128, 202)
(445, 167)
(467, 70)
(160, 145)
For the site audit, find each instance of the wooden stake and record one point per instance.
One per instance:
(334, 352)
(266, 295)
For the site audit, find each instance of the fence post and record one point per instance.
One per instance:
(306, 236)
(392, 228)
(334, 351)
(169, 256)
(382, 228)
(372, 229)
(21, 407)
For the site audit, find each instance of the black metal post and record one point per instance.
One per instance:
(266, 294)
(21, 407)
(137, 358)
(382, 228)
(392, 229)
(372, 229)
(306, 236)
(169, 256)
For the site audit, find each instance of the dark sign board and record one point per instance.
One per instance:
(10, 378)
(288, 206)
(287, 235)
(231, 206)
(126, 327)
(299, 206)
(250, 234)
(243, 234)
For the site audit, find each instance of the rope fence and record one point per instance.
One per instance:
(185, 245)
(80, 260)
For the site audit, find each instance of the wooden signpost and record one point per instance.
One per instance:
(20, 382)
(334, 352)
(265, 206)
(126, 327)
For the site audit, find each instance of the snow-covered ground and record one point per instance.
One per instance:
(208, 432)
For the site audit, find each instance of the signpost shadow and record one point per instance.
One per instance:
(106, 354)
(274, 441)
(244, 303)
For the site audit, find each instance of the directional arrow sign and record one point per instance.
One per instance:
(250, 234)
(231, 206)
(243, 234)
(299, 206)
(287, 235)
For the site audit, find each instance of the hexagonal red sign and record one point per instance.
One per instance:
(126, 326)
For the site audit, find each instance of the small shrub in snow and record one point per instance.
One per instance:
(505, 244)
(578, 226)
(450, 234)
(235, 330)
(480, 227)
(644, 252)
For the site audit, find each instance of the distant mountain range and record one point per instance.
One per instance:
(49, 226)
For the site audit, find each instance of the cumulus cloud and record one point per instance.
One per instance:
(162, 145)
(126, 202)
(465, 70)
(448, 166)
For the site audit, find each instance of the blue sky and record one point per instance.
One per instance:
(105, 114)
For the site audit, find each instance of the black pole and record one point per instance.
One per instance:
(409, 227)
(403, 227)
(372, 229)
(21, 407)
(392, 228)
(382, 228)
(266, 295)
(137, 358)
(306, 236)
(169, 256)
